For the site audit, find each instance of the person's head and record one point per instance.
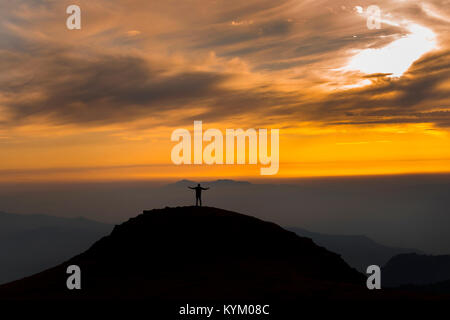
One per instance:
(198, 185)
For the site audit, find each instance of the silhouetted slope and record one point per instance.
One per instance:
(358, 251)
(199, 253)
(416, 269)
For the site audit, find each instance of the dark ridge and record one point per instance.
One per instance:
(192, 253)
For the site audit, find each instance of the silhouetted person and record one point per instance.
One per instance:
(198, 194)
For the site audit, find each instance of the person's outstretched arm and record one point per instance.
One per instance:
(191, 188)
(205, 188)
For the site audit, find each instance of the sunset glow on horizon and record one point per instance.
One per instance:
(100, 103)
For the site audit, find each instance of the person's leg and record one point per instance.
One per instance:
(196, 201)
(200, 199)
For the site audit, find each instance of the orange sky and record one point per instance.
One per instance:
(101, 103)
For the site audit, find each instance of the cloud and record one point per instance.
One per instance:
(128, 67)
(410, 99)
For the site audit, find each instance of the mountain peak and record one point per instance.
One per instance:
(198, 252)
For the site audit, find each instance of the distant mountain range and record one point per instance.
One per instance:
(408, 269)
(357, 250)
(417, 269)
(32, 243)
